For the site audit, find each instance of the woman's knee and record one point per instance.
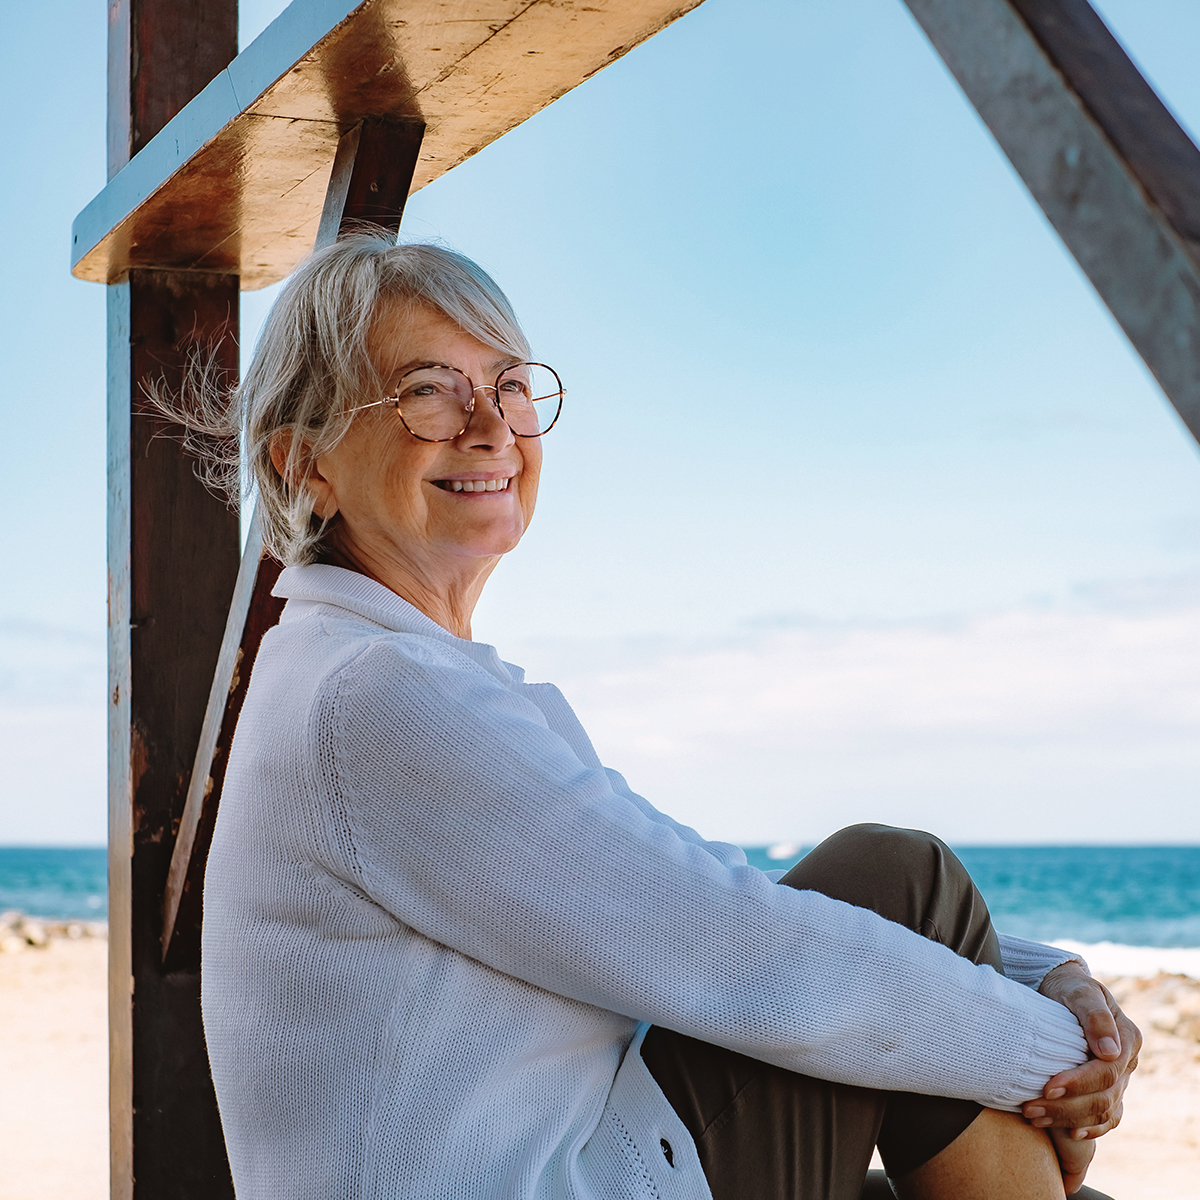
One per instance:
(883, 841)
(866, 863)
(906, 875)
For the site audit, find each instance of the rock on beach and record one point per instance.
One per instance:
(20, 932)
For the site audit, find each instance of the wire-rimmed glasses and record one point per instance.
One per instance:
(436, 401)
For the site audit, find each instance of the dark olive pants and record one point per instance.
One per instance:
(764, 1133)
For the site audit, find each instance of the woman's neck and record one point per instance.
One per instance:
(449, 599)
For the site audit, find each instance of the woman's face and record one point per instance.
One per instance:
(395, 493)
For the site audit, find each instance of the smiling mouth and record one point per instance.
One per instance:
(473, 485)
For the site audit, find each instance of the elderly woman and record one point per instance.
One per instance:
(447, 953)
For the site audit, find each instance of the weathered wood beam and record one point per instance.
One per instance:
(252, 611)
(172, 555)
(1111, 168)
(372, 173)
(236, 181)
(368, 187)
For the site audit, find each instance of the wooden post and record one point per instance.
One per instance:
(173, 557)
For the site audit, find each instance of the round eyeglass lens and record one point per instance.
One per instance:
(530, 397)
(435, 402)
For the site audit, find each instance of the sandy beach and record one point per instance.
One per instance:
(53, 1069)
(53, 1085)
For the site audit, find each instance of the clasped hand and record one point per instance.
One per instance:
(1079, 1105)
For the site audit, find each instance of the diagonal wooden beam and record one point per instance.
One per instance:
(369, 184)
(1111, 168)
(372, 174)
(252, 611)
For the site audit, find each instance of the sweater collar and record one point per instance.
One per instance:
(319, 583)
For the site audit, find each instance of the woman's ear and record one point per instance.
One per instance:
(300, 470)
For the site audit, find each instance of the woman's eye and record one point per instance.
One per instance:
(421, 391)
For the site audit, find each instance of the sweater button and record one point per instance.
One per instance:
(668, 1153)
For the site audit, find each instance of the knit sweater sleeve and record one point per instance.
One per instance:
(563, 720)
(733, 856)
(478, 827)
(1030, 962)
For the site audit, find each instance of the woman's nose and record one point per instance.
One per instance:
(487, 429)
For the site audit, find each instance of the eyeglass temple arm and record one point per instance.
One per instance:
(373, 404)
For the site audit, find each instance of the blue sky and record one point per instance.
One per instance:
(862, 507)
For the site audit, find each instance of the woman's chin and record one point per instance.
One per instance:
(495, 539)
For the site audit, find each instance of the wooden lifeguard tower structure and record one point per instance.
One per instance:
(225, 169)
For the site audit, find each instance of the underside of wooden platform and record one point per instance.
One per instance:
(236, 182)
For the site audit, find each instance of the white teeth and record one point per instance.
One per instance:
(479, 485)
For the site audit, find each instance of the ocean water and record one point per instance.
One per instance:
(1132, 896)
(55, 882)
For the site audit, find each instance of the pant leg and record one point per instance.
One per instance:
(763, 1133)
(940, 902)
(907, 876)
(914, 879)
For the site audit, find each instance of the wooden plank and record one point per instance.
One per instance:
(1113, 171)
(368, 186)
(120, 750)
(236, 181)
(172, 551)
(338, 189)
(252, 611)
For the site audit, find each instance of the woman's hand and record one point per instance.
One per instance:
(1086, 1102)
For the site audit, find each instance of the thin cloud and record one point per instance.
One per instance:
(1019, 726)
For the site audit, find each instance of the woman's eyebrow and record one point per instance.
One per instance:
(416, 364)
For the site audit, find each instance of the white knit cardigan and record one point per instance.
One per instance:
(435, 928)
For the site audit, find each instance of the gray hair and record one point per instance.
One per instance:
(311, 368)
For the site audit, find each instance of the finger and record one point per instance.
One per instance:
(1096, 1019)
(1074, 1158)
(1071, 1080)
(1091, 1132)
(1131, 1038)
(1078, 1112)
(1072, 1183)
(1092, 1091)
(1085, 1116)
(1095, 1075)
(1089, 1002)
